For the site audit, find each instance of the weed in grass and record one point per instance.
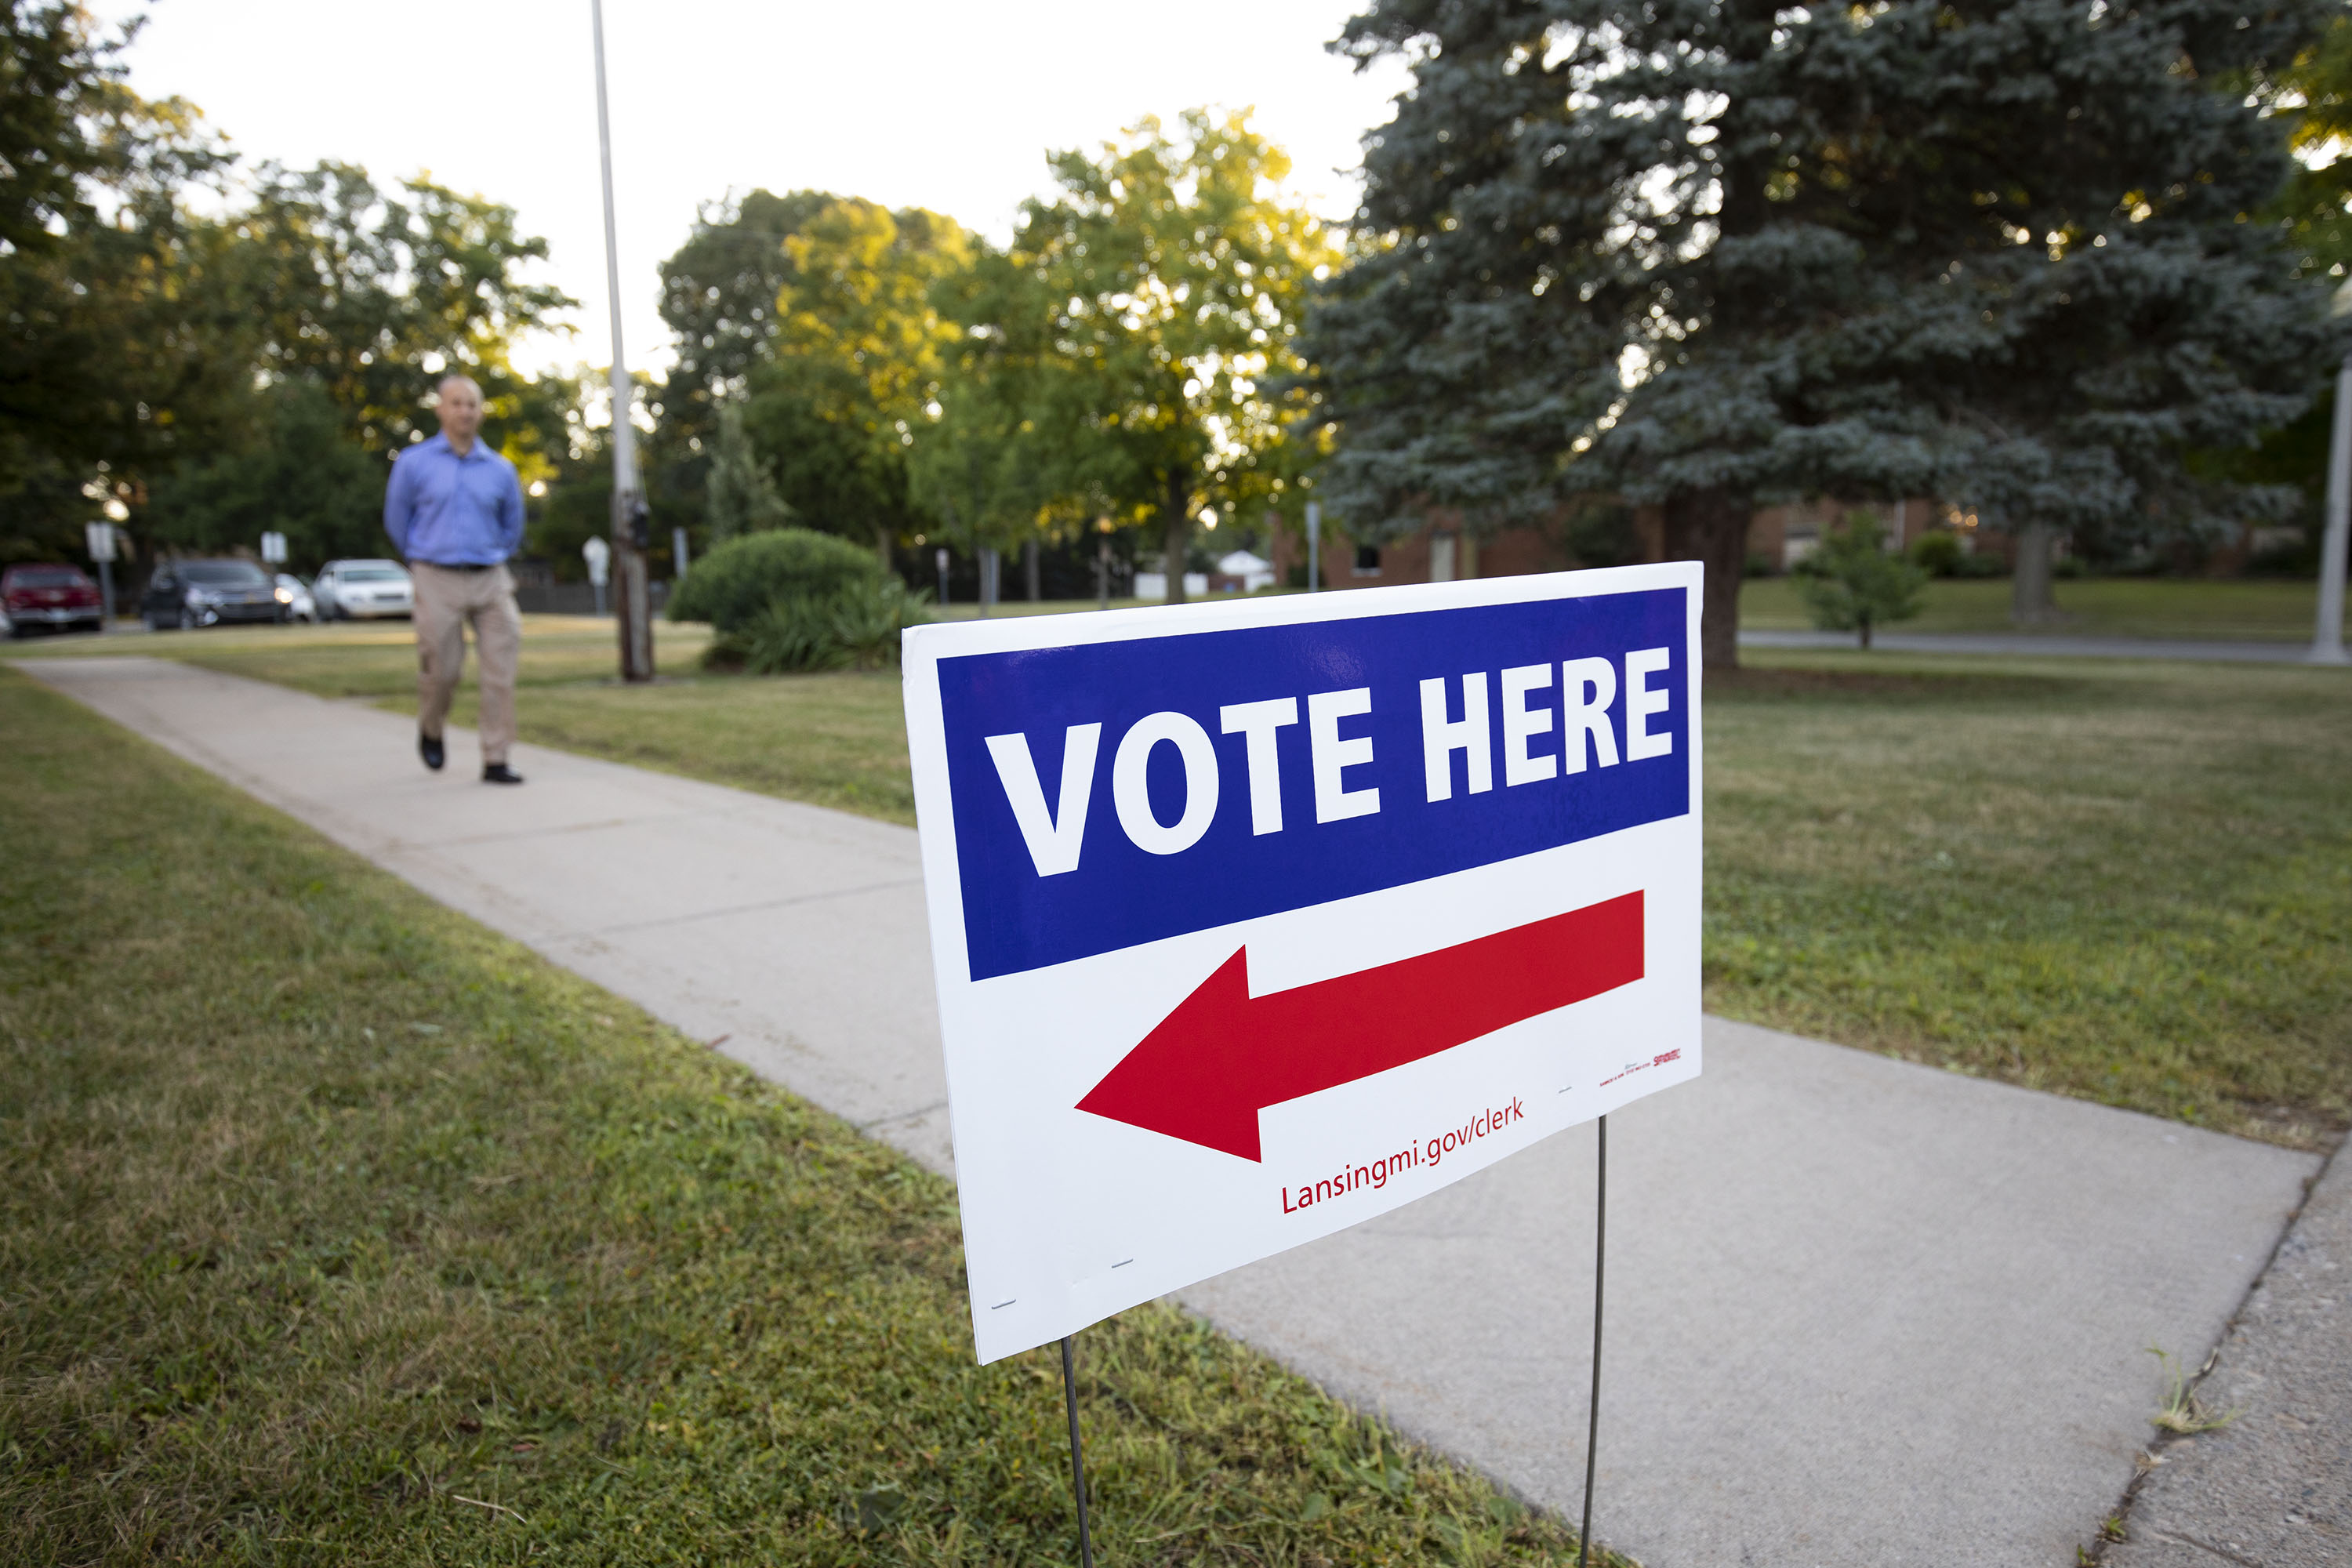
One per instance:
(292, 1280)
(2181, 1413)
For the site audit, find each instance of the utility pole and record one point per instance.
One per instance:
(2327, 635)
(630, 517)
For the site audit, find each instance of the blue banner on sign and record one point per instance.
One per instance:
(1113, 793)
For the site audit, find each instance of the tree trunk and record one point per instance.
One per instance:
(2029, 599)
(1710, 526)
(1865, 635)
(1030, 565)
(1176, 532)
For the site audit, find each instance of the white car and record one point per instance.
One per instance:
(352, 590)
(296, 595)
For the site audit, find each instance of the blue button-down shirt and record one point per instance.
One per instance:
(454, 511)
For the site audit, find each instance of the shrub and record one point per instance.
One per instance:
(790, 601)
(853, 627)
(1938, 554)
(1851, 583)
(735, 584)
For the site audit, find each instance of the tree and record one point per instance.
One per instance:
(1706, 251)
(738, 495)
(1850, 583)
(719, 295)
(300, 475)
(1151, 308)
(857, 360)
(114, 351)
(2076, 196)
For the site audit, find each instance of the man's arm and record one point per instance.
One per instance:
(399, 507)
(511, 514)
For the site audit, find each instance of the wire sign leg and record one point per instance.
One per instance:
(1592, 1431)
(1078, 1458)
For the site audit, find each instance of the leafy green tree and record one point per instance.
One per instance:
(115, 350)
(719, 295)
(857, 356)
(1853, 583)
(1702, 252)
(374, 294)
(738, 495)
(301, 475)
(1150, 310)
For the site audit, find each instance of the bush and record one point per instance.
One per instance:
(1938, 554)
(735, 584)
(856, 627)
(1851, 583)
(788, 601)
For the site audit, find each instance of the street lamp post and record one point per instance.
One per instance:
(2327, 635)
(631, 520)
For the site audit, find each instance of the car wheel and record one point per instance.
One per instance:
(188, 621)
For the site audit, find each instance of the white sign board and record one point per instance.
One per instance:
(99, 538)
(599, 556)
(1253, 920)
(273, 549)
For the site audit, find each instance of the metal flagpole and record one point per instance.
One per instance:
(1592, 1431)
(633, 595)
(1077, 1456)
(2328, 632)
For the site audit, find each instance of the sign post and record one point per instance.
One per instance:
(1314, 546)
(99, 537)
(1255, 918)
(599, 556)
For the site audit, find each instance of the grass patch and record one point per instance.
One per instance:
(2123, 880)
(335, 1229)
(2228, 610)
(2128, 884)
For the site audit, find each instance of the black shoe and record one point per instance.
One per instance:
(498, 772)
(429, 748)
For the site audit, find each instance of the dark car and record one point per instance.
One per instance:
(192, 594)
(50, 597)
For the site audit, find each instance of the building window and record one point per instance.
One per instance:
(1368, 560)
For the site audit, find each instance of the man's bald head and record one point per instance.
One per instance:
(459, 404)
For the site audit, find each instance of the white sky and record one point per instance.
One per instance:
(947, 106)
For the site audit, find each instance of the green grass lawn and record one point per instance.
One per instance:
(2128, 882)
(2124, 882)
(334, 1229)
(2227, 610)
(377, 659)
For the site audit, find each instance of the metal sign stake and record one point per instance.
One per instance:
(1077, 1455)
(1592, 1431)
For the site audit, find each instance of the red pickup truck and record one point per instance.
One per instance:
(49, 597)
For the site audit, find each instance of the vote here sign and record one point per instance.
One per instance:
(1255, 918)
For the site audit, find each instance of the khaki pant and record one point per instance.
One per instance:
(446, 600)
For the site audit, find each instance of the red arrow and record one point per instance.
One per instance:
(1204, 1073)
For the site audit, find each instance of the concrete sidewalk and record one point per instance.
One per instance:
(1861, 1312)
(2275, 1485)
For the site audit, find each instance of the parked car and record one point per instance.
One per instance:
(347, 589)
(299, 604)
(191, 594)
(51, 596)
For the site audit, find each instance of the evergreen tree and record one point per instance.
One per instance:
(1850, 583)
(1704, 252)
(738, 495)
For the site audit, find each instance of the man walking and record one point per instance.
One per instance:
(453, 510)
